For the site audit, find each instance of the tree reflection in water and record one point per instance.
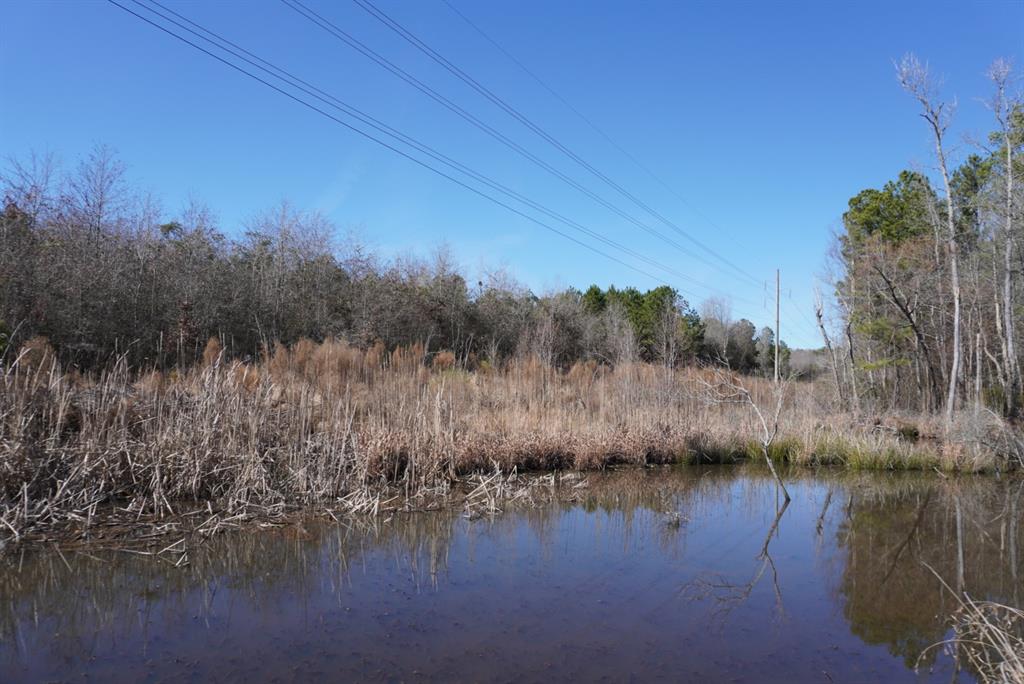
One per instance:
(603, 569)
(967, 530)
(727, 595)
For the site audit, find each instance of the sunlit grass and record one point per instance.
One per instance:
(317, 422)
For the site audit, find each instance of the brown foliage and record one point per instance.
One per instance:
(37, 357)
(443, 360)
(212, 352)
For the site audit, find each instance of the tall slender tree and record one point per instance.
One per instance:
(916, 80)
(1003, 106)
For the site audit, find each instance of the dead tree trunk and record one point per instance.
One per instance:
(727, 388)
(915, 80)
(831, 350)
(999, 72)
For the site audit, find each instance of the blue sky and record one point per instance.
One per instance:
(765, 117)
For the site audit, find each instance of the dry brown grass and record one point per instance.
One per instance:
(319, 423)
(988, 636)
(444, 360)
(212, 352)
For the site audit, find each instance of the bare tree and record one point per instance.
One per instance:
(727, 387)
(717, 315)
(622, 343)
(98, 188)
(1003, 105)
(667, 334)
(819, 315)
(29, 184)
(729, 595)
(916, 80)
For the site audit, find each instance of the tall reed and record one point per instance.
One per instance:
(313, 423)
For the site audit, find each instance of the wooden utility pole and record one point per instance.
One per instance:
(776, 326)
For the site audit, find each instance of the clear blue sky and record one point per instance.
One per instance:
(764, 116)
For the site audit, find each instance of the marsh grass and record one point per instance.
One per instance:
(331, 424)
(988, 636)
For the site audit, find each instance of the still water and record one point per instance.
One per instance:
(667, 574)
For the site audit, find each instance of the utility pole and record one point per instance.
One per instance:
(776, 326)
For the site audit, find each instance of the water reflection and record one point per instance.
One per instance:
(726, 594)
(650, 574)
(967, 531)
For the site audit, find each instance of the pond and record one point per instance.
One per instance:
(673, 574)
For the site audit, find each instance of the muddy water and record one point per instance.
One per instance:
(664, 574)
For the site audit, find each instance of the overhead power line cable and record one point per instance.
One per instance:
(269, 68)
(381, 142)
(460, 111)
(408, 36)
(583, 117)
(808, 327)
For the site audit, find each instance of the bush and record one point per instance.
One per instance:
(443, 360)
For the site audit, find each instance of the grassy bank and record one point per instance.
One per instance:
(323, 423)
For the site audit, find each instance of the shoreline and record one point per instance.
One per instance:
(170, 535)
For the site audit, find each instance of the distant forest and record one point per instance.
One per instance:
(96, 268)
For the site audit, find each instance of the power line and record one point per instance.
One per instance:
(241, 53)
(803, 314)
(583, 117)
(380, 142)
(554, 93)
(812, 328)
(397, 71)
(412, 39)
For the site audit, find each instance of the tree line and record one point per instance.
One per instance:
(99, 270)
(927, 277)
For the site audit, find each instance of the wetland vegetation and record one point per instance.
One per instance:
(334, 426)
(396, 426)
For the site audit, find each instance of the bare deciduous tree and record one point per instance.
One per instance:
(1003, 104)
(820, 317)
(727, 387)
(915, 79)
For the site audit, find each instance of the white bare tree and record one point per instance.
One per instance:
(1002, 104)
(916, 80)
(727, 387)
(717, 315)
